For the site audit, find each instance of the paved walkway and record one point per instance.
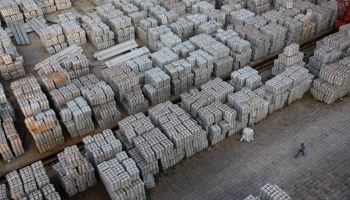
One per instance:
(233, 169)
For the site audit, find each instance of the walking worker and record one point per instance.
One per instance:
(301, 150)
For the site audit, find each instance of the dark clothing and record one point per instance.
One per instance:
(300, 151)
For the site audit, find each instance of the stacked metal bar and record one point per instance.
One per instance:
(223, 63)
(287, 87)
(201, 7)
(121, 178)
(202, 65)
(19, 33)
(183, 28)
(277, 35)
(125, 84)
(3, 192)
(40, 120)
(142, 30)
(100, 2)
(76, 64)
(239, 49)
(260, 43)
(334, 16)
(286, 7)
(47, 6)
(177, 7)
(303, 5)
(334, 82)
(218, 120)
(338, 40)
(321, 16)
(245, 77)
(189, 4)
(345, 29)
(197, 20)
(157, 86)
(209, 27)
(69, 16)
(31, 10)
(181, 76)
(52, 39)
(183, 49)
(145, 4)
(163, 57)
(272, 191)
(308, 28)
(11, 63)
(74, 171)
(100, 98)
(162, 15)
(31, 182)
(136, 17)
(52, 75)
(8, 132)
(139, 66)
(291, 56)
(237, 17)
(322, 57)
(257, 21)
(63, 4)
(10, 13)
(125, 6)
(188, 137)
(123, 28)
(74, 33)
(217, 16)
(228, 8)
(102, 147)
(258, 6)
(154, 40)
(251, 107)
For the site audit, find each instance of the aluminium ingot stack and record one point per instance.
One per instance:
(69, 16)
(188, 137)
(277, 35)
(245, 77)
(52, 75)
(139, 66)
(125, 6)
(100, 98)
(218, 120)
(31, 10)
(31, 182)
(291, 56)
(40, 120)
(125, 85)
(228, 8)
(142, 29)
(201, 7)
(98, 32)
(321, 16)
(76, 64)
(130, 128)
(334, 81)
(202, 65)
(162, 15)
(102, 147)
(238, 17)
(4, 192)
(145, 4)
(52, 39)
(74, 171)
(184, 49)
(197, 20)
(157, 86)
(338, 40)
(121, 177)
(239, 49)
(10, 13)
(181, 76)
(74, 33)
(269, 192)
(258, 6)
(11, 63)
(183, 28)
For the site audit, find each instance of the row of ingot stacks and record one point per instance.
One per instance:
(258, 6)
(49, 6)
(218, 120)
(121, 178)
(130, 128)
(139, 66)
(31, 10)
(52, 38)
(334, 81)
(98, 32)
(8, 132)
(157, 86)
(291, 56)
(239, 49)
(40, 120)
(11, 63)
(126, 86)
(10, 12)
(270, 192)
(31, 182)
(162, 15)
(185, 133)
(102, 146)
(100, 98)
(74, 33)
(181, 76)
(74, 171)
(245, 77)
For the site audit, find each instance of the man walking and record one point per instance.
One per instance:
(301, 150)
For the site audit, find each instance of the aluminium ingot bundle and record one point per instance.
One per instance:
(277, 35)
(181, 76)
(169, 39)
(183, 28)
(74, 33)
(13, 138)
(108, 11)
(139, 66)
(74, 171)
(157, 86)
(183, 49)
(69, 16)
(63, 4)
(228, 8)
(337, 40)
(4, 192)
(76, 64)
(163, 57)
(218, 88)
(209, 27)
(40, 120)
(303, 5)
(291, 56)
(153, 37)
(102, 146)
(126, 86)
(121, 178)
(256, 21)
(188, 137)
(272, 192)
(177, 7)
(245, 77)
(240, 51)
(321, 16)
(217, 16)
(100, 98)
(10, 12)
(202, 65)
(258, 6)
(11, 63)
(218, 120)
(125, 6)
(5, 149)
(145, 4)
(239, 16)
(201, 7)
(308, 28)
(162, 15)
(260, 43)
(142, 30)
(210, 45)
(136, 17)
(31, 10)
(52, 39)
(197, 19)
(345, 29)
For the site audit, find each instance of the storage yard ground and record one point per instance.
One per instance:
(233, 169)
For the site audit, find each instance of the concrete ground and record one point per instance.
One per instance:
(233, 169)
